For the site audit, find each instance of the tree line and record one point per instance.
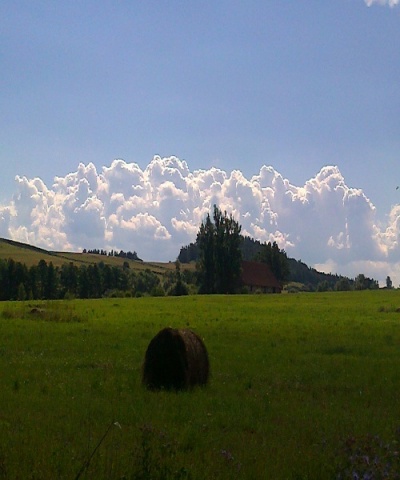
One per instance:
(113, 253)
(46, 281)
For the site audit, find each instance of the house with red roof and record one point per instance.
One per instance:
(258, 276)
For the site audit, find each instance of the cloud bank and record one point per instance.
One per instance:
(157, 210)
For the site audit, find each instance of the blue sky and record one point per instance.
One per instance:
(297, 85)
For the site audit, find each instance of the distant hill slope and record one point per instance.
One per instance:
(302, 273)
(31, 255)
(24, 253)
(26, 246)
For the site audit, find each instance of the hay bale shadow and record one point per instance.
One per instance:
(175, 360)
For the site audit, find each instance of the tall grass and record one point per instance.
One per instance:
(293, 378)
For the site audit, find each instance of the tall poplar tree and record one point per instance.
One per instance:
(220, 256)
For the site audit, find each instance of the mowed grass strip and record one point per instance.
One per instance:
(292, 376)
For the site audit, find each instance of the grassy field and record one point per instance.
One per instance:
(293, 378)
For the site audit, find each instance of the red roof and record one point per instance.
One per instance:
(259, 275)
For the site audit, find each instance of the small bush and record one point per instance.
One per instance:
(370, 458)
(49, 312)
(178, 289)
(155, 458)
(388, 309)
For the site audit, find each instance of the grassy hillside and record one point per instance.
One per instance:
(24, 253)
(302, 387)
(31, 255)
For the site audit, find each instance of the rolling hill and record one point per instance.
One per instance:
(31, 255)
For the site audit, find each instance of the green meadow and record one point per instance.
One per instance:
(293, 378)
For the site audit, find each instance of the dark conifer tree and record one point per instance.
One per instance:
(220, 255)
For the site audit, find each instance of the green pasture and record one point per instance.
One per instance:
(293, 378)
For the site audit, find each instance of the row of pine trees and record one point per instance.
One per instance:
(46, 281)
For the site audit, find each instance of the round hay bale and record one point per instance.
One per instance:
(175, 360)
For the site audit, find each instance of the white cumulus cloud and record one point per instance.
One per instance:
(158, 210)
(391, 3)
